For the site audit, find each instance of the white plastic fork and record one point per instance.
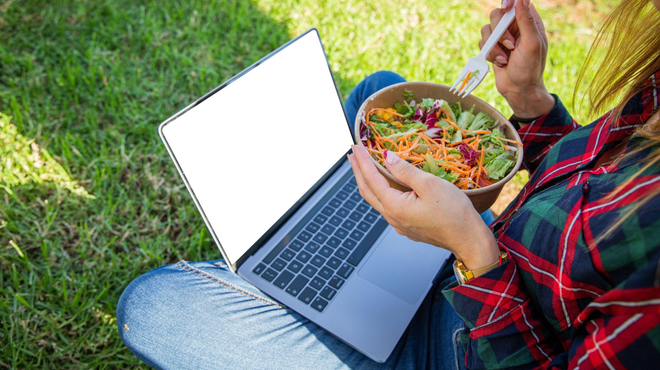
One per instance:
(478, 66)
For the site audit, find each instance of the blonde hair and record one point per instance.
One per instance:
(630, 38)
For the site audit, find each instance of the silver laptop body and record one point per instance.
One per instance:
(261, 152)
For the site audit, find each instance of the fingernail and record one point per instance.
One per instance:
(526, 3)
(509, 45)
(504, 4)
(390, 159)
(501, 60)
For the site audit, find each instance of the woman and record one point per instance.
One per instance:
(569, 273)
(581, 288)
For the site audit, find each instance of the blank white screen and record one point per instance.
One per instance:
(253, 149)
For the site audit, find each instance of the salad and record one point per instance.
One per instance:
(465, 148)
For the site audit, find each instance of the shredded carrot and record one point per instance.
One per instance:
(511, 141)
(467, 78)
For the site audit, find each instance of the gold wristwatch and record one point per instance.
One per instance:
(463, 274)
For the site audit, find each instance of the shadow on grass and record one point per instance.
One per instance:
(90, 81)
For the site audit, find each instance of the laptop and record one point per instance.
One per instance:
(264, 157)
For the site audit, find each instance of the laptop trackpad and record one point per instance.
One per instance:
(403, 267)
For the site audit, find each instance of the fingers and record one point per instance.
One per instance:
(408, 174)
(499, 55)
(507, 38)
(365, 190)
(507, 5)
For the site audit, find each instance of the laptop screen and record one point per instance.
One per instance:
(253, 148)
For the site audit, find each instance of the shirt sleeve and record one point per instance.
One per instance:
(505, 330)
(541, 134)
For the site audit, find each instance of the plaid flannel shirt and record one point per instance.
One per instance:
(562, 301)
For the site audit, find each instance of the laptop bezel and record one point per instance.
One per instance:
(269, 233)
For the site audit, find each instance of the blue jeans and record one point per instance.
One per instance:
(203, 316)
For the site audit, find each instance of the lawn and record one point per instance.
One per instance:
(88, 197)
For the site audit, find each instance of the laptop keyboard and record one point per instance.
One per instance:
(314, 260)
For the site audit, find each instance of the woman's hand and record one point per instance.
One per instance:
(519, 60)
(435, 212)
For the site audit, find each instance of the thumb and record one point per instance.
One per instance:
(404, 171)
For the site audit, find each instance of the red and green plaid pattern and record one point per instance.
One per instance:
(563, 301)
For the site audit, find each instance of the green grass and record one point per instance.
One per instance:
(89, 199)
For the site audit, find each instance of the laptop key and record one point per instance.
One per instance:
(287, 255)
(296, 285)
(328, 293)
(311, 247)
(309, 271)
(325, 251)
(320, 219)
(349, 243)
(325, 273)
(296, 245)
(335, 220)
(317, 261)
(333, 263)
(336, 282)
(345, 270)
(335, 202)
(259, 269)
(278, 264)
(333, 242)
(319, 304)
(362, 249)
(328, 229)
(342, 195)
(269, 274)
(304, 236)
(350, 204)
(320, 238)
(328, 211)
(341, 253)
(363, 207)
(317, 283)
(283, 280)
(349, 188)
(312, 227)
(370, 217)
(307, 295)
(355, 216)
(356, 197)
(357, 235)
(295, 266)
(363, 226)
(341, 233)
(303, 257)
(348, 224)
(343, 212)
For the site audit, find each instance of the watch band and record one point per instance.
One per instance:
(463, 274)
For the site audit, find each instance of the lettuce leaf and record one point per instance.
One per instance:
(465, 119)
(500, 166)
(404, 109)
(449, 176)
(482, 122)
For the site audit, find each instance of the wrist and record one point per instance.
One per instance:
(481, 254)
(530, 104)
